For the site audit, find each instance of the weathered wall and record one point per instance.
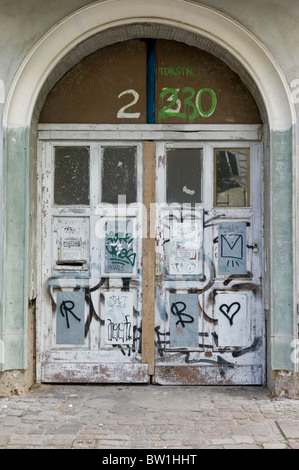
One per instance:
(273, 22)
(23, 24)
(78, 98)
(18, 382)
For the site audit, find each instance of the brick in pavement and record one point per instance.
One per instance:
(148, 417)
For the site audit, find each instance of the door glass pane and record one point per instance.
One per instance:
(71, 176)
(119, 174)
(232, 177)
(184, 176)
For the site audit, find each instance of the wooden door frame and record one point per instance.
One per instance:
(148, 265)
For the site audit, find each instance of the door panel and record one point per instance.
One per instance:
(209, 299)
(89, 327)
(151, 262)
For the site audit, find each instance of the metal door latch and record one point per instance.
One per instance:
(253, 247)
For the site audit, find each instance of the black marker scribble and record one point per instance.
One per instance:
(66, 307)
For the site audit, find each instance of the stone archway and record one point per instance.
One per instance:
(104, 23)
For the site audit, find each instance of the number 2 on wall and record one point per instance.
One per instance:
(123, 113)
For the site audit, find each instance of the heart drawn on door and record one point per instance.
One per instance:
(230, 310)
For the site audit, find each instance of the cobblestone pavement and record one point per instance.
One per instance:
(148, 417)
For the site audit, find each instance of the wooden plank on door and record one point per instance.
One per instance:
(148, 265)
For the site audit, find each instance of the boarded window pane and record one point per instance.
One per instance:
(119, 174)
(71, 180)
(70, 313)
(232, 173)
(184, 176)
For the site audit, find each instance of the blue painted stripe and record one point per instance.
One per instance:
(151, 82)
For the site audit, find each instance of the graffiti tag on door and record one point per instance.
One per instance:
(118, 317)
(70, 308)
(120, 247)
(185, 247)
(183, 320)
(233, 322)
(232, 248)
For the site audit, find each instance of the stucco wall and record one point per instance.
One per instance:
(273, 22)
(23, 24)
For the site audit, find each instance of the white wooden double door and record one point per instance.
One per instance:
(150, 261)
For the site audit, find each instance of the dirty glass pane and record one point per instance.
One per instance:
(232, 177)
(71, 176)
(119, 174)
(184, 176)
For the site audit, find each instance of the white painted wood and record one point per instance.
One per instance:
(232, 313)
(199, 375)
(178, 132)
(80, 225)
(234, 362)
(237, 341)
(98, 373)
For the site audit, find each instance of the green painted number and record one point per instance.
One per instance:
(169, 109)
(190, 104)
(192, 107)
(208, 113)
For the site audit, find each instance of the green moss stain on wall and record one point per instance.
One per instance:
(282, 250)
(14, 269)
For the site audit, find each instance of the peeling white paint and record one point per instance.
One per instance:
(188, 191)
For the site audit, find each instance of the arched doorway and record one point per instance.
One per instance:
(189, 133)
(276, 111)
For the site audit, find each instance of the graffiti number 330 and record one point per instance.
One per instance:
(192, 104)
